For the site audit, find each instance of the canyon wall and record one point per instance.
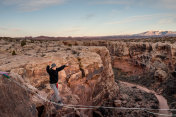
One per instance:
(89, 79)
(15, 101)
(135, 58)
(151, 64)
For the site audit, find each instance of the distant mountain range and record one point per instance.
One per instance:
(113, 37)
(142, 35)
(157, 33)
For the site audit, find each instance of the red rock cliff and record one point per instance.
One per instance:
(89, 79)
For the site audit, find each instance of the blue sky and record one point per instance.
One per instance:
(85, 17)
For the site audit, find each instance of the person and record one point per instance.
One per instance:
(53, 76)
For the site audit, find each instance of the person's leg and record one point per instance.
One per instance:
(56, 93)
(53, 97)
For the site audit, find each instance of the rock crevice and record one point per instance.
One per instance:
(88, 80)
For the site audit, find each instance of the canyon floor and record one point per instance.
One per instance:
(136, 78)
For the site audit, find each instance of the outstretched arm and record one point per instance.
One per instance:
(47, 68)
(61, 68)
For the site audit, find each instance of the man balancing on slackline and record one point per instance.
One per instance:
(53, 73)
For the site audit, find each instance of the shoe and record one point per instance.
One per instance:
(60, 103)
(59, 106)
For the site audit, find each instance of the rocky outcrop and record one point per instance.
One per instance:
(135, 58)
(89, 79)
(146, 62)
(15, 101)
(160, 75)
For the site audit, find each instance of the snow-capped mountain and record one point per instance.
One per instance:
(157, 33)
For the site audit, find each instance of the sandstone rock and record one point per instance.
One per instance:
(117, 103)
(124, 102)
(160, 75)
(97, 114)
(124, 97)
(158, 64)
(138, 57)
(15, 101)
(89, 79)
(20, 71)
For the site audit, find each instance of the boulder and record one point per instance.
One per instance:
(160, 75)
(15, 101)
(117, 103)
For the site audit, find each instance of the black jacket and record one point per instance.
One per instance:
(54, 73)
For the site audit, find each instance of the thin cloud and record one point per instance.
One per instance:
(10, 29)
(89, 16)
(134, 18)
(32, 5)
(167, 20)
(72, 29)
(168, 4)
(120, 2)
(3, 29)
(131, 19)
(162, 4)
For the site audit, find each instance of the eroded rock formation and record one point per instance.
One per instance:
(15, 101)
(89, 79)
(151, 64)
(137, 57)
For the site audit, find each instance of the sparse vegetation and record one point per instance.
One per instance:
(68, 48)
(14, 53)
(65, 43)
(23, 43)
(32, 41)
(70, 45)
(74, 52)
(76, 44)
(43, 54)
(41, 41)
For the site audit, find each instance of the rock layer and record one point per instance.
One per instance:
(147, 62)
(89, 79)
(137, 57)
(15, 101)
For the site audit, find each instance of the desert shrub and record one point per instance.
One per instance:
(40, 41)
(76, 44)
(32, 41)
(23, 43)
(68, 48)
(14, 53)
(69, 44)
(172, 41)
(43, 54)
(65, 43)
(74, 52)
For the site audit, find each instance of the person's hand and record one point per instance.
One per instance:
(66, 65)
